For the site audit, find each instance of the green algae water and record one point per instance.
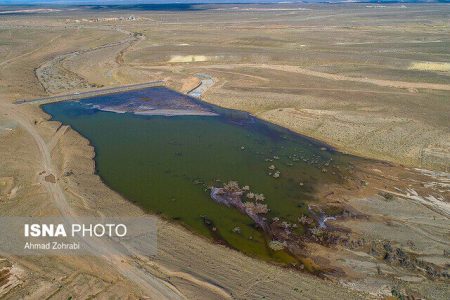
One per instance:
(166, 164)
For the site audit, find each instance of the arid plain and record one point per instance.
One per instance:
(370, 80)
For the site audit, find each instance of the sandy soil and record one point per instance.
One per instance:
(400, 117)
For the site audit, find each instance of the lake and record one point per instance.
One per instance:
(166, 161)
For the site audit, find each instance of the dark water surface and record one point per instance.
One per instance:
(166, 164)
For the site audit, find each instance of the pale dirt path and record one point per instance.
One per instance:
(56, 137)
(379, 82)
(155, 287)
(299, 70)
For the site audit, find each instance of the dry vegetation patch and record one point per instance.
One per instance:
(430, 66)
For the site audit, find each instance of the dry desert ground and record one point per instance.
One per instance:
(370, 80)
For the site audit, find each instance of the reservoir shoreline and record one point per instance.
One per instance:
(234, 119)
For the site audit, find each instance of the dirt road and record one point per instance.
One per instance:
(337, 77)
(154, 287)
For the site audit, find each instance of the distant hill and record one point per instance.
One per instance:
(134, 2)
